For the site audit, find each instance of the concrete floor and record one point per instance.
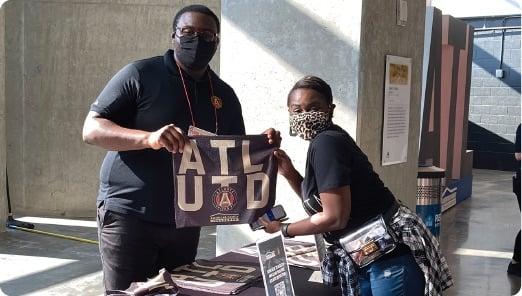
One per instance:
(477, 239)
(478, 236)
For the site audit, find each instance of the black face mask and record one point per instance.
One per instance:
(194, 52)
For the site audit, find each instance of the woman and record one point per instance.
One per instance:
(340, 191)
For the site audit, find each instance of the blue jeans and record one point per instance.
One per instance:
(397, 275)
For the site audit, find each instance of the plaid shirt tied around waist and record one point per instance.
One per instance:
(411, 231)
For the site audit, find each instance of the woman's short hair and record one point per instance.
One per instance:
(315, 83)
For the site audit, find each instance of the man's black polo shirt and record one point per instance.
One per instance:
(147, 95)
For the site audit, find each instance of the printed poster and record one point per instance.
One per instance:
(395, 130)
(274, 267)
(217, 277)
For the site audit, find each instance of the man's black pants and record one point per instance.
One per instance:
(133, 250)
(516, 190)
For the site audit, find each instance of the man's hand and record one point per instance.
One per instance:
(274, 137)
(169, 137)
(270, 226)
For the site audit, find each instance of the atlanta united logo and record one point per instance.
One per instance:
(224, 198)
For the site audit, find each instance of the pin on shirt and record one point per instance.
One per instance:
(217, 102)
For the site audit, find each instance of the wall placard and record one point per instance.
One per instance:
(397, 87)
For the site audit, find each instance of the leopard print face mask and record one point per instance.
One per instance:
(308, 124)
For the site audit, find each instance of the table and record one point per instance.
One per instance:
(300, 281)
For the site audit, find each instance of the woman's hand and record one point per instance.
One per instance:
(284, 163)
(271, 226)
(287, 170)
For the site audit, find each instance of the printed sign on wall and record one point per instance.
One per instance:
(221, 180)
(396, 125)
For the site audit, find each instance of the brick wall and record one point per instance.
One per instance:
(494, 102)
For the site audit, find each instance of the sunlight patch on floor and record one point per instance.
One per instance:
(16, 266)
(55, 221)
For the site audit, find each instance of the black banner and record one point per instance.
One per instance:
(221, 180)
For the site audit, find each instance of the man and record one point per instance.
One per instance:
(514, 265)
(141, 116)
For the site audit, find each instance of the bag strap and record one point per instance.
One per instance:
(390, 212)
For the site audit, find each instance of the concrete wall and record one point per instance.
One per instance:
(3, 200)
(59, 55)
(380, 36)
(494, 102)
(266, 47)
(473, 8)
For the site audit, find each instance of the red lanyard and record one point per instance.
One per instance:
(211, 98)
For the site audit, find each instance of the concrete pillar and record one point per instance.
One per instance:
(3, 199)
(59, 55)
(380, 36)
(268, 45)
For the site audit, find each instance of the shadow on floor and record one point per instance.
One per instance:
(44, 265)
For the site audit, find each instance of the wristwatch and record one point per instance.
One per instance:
(284, 230)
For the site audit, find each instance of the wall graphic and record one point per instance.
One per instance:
(446, 97)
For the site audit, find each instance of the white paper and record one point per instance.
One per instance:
(194, 131)
(274, 266)
(395, 130)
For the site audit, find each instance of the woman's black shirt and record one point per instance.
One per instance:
(334, 160)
